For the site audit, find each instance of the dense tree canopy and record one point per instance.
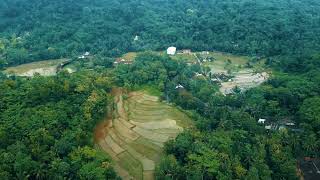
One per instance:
(229, 144)
(46, 127)
(46, 123)
(42, 29)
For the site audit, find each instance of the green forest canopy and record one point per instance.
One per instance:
(46, 123)
(40, 29)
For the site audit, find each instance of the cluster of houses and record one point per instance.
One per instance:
(173, 51)
(282, 125)
(119, 61)
(221, 77)
(205, 58)
(84, 56)
(199, 75)
(170, 51)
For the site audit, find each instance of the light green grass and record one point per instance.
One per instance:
(129, 56)
(150, 89)
(146, 113)
(147, 148)
(71, 66)
(225, 62)
(34, 65)
(184, 57)
(132, 165)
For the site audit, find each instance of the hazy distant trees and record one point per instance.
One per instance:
(53, 29)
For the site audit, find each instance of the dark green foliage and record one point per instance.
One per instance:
(46, 126)
(46, 123)
(52, 29)
(229, 144)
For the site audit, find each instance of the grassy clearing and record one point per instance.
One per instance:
(25, 68)
(129, 56)
(152, 90)
(224, 62)
(184, 57)
(71, 67)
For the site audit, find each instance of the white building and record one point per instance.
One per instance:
(205, 52)
(268, 127)
(86, 53)
(136, 38)
(198, 74)
(179, 86)
(261, 121)
(171, 50)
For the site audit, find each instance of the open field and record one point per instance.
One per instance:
(130, 56)
(224, 62)
(44, 68)
(71, 68)
(244, 77)
(246, 74)
(244, 81)
(135, 137)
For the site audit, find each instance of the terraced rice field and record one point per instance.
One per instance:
(135, 136)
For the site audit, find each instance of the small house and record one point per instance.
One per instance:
(136, 38)
(261, 121)
(84, 56)
(290, 124)
(185, 51)
(205, 53)
(268, 127)
(179, 86)
(215, 80)
(122, 61)
(171, 50)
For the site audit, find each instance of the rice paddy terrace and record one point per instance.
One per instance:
(135, 136)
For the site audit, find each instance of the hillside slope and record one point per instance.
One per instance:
(135, 137)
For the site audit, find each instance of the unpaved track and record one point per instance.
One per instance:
(135, 142)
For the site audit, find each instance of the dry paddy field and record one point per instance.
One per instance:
(44, 68)
(135, 136)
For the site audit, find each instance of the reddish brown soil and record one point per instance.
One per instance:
(101, 129)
